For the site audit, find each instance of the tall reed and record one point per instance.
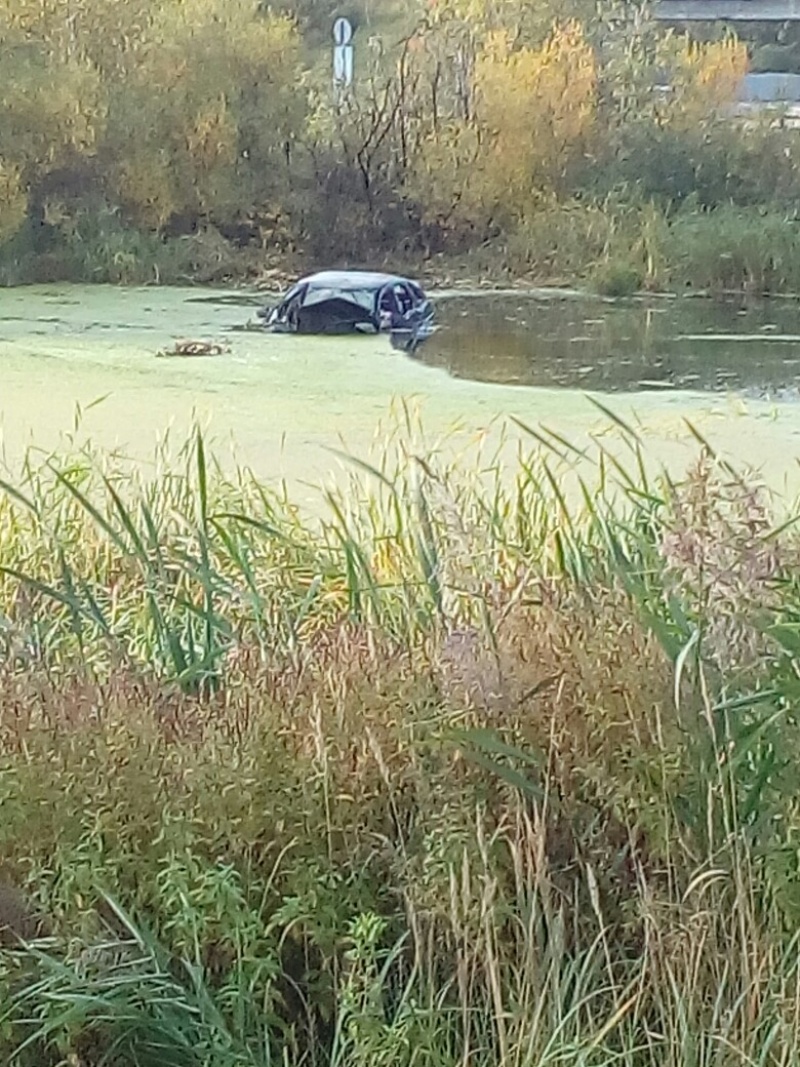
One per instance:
(474, 768)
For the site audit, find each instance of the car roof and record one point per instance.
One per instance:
(350, 279)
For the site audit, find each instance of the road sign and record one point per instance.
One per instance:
(342, 54)
(343, 64)
(342, 31)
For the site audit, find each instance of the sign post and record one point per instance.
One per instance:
(342, 56)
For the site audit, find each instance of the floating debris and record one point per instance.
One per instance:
(195, 348)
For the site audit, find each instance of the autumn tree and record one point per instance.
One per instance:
(536, 106)
(703, 77)
(52, 113)
(105, 34)
(533, 110)
(666, 111)
(206, 123)
(468, 120)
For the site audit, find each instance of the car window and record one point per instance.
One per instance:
(293, 292)
(293, 302)
(415, 289)
(294, 295)
(386, 301)
(403, 297)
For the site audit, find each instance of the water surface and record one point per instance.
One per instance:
(80, 363)
(634, 345)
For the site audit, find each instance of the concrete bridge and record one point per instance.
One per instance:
(729, 10)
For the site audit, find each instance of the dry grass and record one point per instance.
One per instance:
(458, 777)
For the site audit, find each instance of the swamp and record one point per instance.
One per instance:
(362, 708)
(78, 365)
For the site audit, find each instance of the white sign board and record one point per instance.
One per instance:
(342, 31)
(343, 64)
(342, 53)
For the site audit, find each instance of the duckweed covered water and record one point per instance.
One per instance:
(80, 362)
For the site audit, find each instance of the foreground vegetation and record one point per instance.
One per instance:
(475, 769)
(199, 139)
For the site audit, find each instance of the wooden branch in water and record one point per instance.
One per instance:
(195, 348)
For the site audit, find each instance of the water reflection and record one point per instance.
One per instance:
(595, 345)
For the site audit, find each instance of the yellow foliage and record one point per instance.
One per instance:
(529, 23)
(13, 200)
(474, 13)
(192, 90)
(443, 169)
(105, 33)
(52, 110)
(705, 76)
(148, 185)
(194, 107)
(534, 111)
(536, 106)
(49, 110)
(212, 138)
(208, 110)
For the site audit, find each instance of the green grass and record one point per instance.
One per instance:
(484, 766)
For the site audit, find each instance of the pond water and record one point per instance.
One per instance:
(624, 346)
(79, 363)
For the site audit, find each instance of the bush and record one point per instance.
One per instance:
(616, 278)
(730, 248)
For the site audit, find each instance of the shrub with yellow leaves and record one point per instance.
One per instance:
(191, 138)
(704, 77)
(534, 110)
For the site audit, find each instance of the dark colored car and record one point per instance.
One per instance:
(338, 301)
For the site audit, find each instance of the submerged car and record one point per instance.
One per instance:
(353, 301)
